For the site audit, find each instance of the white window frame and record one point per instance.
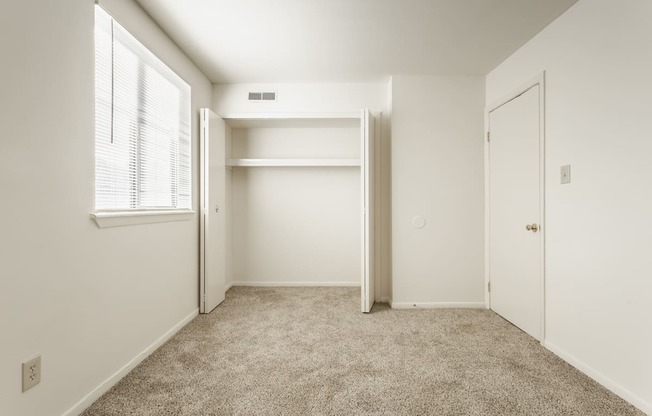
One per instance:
(119, 214)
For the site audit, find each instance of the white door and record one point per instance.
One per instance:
(367, 174)
(212, 250)
(515, 236)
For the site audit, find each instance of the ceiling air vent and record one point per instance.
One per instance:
(262, 96)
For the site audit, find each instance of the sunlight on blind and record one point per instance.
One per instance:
(142, 125)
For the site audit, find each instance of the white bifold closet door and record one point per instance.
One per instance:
(367, 185)
(212, 250)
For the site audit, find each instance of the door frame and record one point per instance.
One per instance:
(368, 284)
(203, 194)
(539, 80)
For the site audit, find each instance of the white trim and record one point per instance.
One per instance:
(294, 284)
(385, 299)
(204, 115)
(367, 244)
(605, 381)
(122, 218)
(437, 305)
(228, 286)
(377, 203)
(291, 115)
(106, 385)
(487, 218)
(539, 80)
(292, 162)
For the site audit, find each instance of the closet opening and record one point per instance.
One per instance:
(286, 201)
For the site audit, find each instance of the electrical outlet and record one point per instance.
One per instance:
(31, 373)
(565, 174)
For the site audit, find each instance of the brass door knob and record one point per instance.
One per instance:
(532, 227)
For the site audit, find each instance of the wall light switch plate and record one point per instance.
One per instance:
(565, 174)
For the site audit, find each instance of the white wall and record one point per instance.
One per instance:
(598, 62)
(437, 173)
(232, 98)
(87, 299)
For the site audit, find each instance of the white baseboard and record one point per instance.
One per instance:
(437, 305)
(228, 286)
(607, 382)
(295, 284)
(91, 397)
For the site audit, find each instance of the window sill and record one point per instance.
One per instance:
(124, 218)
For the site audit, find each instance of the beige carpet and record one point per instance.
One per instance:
(309, 351)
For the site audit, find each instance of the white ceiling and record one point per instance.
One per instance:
(349, 40)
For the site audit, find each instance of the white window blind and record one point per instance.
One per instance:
(142, 125)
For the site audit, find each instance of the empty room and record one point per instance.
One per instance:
(325, 207)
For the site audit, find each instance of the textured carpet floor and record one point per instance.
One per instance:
(309, 351)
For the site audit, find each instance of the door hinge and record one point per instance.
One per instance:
(489, 287)
(488, 136)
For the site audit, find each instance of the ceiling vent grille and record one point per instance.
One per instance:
(262, 96)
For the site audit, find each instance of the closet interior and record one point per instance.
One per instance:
(286, 201)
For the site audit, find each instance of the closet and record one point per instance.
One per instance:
(286, 200)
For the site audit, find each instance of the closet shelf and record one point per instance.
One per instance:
(291, 162)
(285, 120)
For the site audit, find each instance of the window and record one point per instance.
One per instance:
(142, 126)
